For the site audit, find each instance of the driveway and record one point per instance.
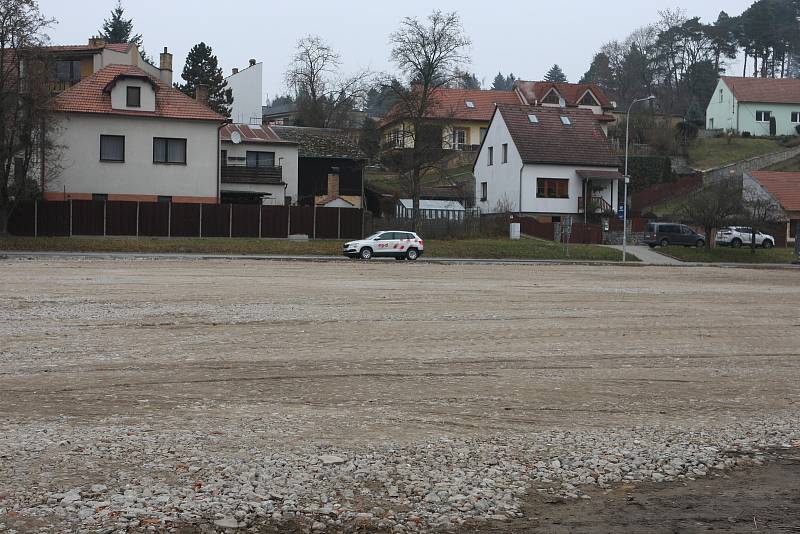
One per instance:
(649, 256)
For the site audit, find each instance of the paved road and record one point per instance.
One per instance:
(649, 256)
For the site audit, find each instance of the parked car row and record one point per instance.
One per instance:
(665, 234)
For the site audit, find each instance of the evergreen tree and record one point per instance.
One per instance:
(468, 80)
(503, 83)
(370, 138)
(555, 75)
(202, 67)
(118, 29)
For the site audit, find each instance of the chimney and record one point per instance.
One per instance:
(166, 67)
(333, 182)
(235, 70)
(201, 93)
(97, 42)
(252, 62)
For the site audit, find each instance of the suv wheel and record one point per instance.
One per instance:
(767, 244)
(412, 254)
(365, 253)
(664, 242)
(736, 243)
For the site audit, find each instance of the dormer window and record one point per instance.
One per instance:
(470, 104)
(133, 97)
(565, 121)
(533, 119)
(588, 100)
(551, 98)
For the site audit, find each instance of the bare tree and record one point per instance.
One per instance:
(430, 54)
(714, 206)
(25, 117)
(760, 210)
(324, 97)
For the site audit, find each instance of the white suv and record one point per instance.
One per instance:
(736, 236)
(394, 244)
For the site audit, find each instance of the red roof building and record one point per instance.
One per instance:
(784, 189)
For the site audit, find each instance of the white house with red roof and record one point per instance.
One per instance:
(128, 135)
(546, 161)
(568, 95)
(782, 188)
(257, 166)
(751, 104)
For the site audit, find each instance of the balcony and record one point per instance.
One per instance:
(596, 205)
(241, 174)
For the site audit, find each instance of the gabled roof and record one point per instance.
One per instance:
(90, 96)
(253, 134)
(534, 92)
(116, 47)
(784, 186)
(320, 142)
(461, 104)
(550, 141)
(768, 90)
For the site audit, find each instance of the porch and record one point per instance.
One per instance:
(601, 191)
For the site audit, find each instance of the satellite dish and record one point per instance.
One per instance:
(236, 138)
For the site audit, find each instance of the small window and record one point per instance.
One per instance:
(134, 97)
(565, 121)
(470, 104)
(491, 155)
(796, 117)
(260, 159)
(484, 191)
(763, 116)
(551, 98)
(459, 139)
(484, 131)
(711, 123)
(588, 100)
(552, 188)
(169, 151)
(505, 152)
(112, 148)
(721, 96)
(533, 119)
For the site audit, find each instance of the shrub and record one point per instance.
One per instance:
(746, 135)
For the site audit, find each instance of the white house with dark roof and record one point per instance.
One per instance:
(546, 161)
(257, 166)
(127, 135)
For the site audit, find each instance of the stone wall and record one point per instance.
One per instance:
(737, 170)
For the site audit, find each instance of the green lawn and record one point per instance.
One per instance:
(467, 248)
(731, 255)
(710, 153)
(790, 165)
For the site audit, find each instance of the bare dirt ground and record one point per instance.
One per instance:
(128, 373)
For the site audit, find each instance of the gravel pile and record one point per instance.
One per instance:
(138, 479)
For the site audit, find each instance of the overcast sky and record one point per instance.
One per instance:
(525, 38)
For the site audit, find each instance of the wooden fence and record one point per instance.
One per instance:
(154, 219)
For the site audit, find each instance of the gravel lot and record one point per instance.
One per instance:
(203, 395)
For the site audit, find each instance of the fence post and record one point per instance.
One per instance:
(230, 221)
(105, 216)
(260, 210)
(70, 217)
(288, 221)
(36, 218)
(201, 220)
(137, 218)
(314, 224)
(339, 223)
(169, 220)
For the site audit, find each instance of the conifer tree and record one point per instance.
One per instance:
(202, 67)
(555, 75)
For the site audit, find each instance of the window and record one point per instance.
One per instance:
(133, 97)
(711, 123)
(100, 197)
(505, 152)
(112, 148)
(565, 121)
(164, 199)
(721, 96)
(260, 159)
(796, 117)
(533, 119)
(68, 71)
(552, 188)
(169, 151)
(484, 191)
(491, 155)
(470, 104)
(459, 139)
(551, 98)
(763, 116)
(484, 131)
(588, 100)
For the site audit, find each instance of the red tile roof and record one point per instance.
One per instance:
(769, 90)
(534, 92)
(549, 141)
(90, 96)
(253, 134)
(784, 186)
(451, 104)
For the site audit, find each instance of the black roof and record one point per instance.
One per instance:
(321, 142)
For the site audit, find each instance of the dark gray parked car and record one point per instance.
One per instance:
(664, 234)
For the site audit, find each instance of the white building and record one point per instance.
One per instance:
(753, 104)
(545, 161)
(257, 166)
(126, 135)
(248, 96)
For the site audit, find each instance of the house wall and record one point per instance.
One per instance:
(508, 189)
(473, 129)
(721, 114)
(247, 95)
(285, 156)
(782, 113)
(83, 173)
(119, 95)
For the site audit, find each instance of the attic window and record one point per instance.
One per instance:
(470, 104)
(588, 100)
(551, 98)
(565, 121)
(533, 119)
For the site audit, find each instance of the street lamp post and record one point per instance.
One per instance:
(627, 177)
